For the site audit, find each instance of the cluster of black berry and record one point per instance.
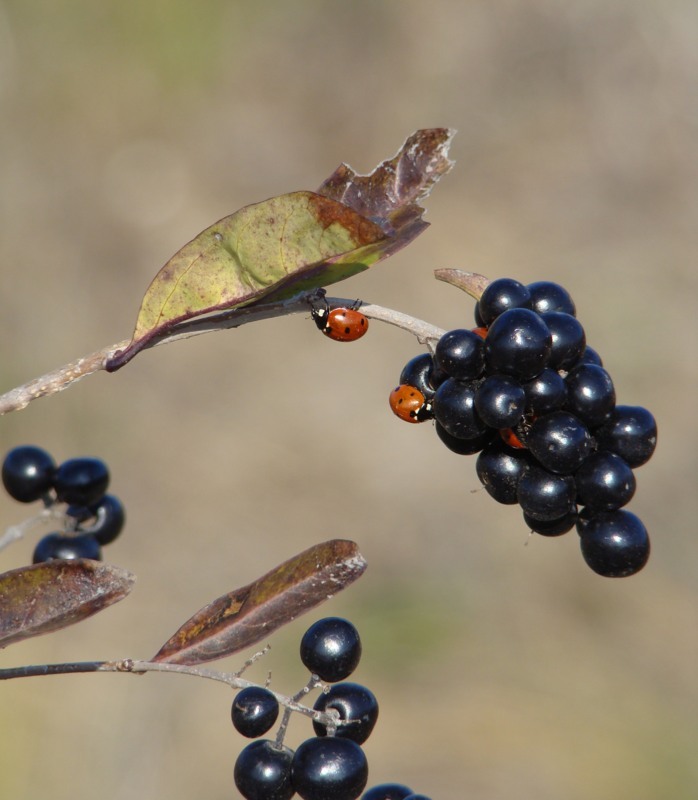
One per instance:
(92, 517)
(331, 764)
(525, 391)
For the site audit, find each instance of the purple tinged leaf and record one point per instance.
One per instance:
(248, 615)
(47, 597)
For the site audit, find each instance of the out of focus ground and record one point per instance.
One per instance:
(504, 667)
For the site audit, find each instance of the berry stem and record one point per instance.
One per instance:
(137, 667)
(59, 379)
(18, 531)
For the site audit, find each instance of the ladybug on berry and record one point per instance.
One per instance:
(409, 404)
(341, 324)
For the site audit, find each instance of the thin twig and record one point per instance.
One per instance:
(59, 379)
(136, 667)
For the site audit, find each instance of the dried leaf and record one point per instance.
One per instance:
(471, 282)
(299, 241)
(50, 596)
(244, 617)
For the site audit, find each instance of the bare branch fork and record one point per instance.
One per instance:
(59, 379)
(329, 719)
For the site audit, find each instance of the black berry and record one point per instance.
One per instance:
(254, 711)
(518, 343)
(107, 515)
(569, 339)
(27, 473)
(605, 482)
(421, 373)
(81, 481)
(500, 468)
(353, 702)
(263, 772)
(454, 409)
(614, 544)
(331, 649)
(500, 296)
(545, 496)
(59, 546)
(545, 393)
(460, 354)
(329, 768)
(631, 433)
(559, 441)
(465, 447)
(590, 394)
(500, 401)
(553, 527)
(387, 791)
(548, 296)
(590, 356)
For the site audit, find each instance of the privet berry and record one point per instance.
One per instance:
(353, 702)
(541, 412)
(614, 544)
(81, 481)
(329, 767)
(55, 546)
(27, 473)
(263, 771)
(331, 649)
(254, 711)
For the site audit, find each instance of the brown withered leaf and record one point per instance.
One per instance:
(47, 597)
(390, 194)
(244, 617)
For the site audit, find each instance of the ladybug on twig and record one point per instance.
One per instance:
(343, 324)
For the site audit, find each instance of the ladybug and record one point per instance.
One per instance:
(481, 332)
(341, 324)
(409, 404)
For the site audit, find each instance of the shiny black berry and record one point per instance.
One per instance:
(590, 394)
(614, 544)
(554, 527)
(501, 295)
(331, 649)
(454, 409)
(254, 711)
(460, 354)
(27, 473)
(353, 702)
(263, 771)
(545, 393)
(560, 442)
(590, 356)
(605, 482)
(81, 481)
(545, 496)
(548, 296)
(500, 401)
(500, 468)
(329, 768)
(421, 373)
(387, 791)
(59, 546)
(104, 520)
(631, 433)
(518, 343)
(569, 339)
(465, 447)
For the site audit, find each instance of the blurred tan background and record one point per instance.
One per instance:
(504, 667)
